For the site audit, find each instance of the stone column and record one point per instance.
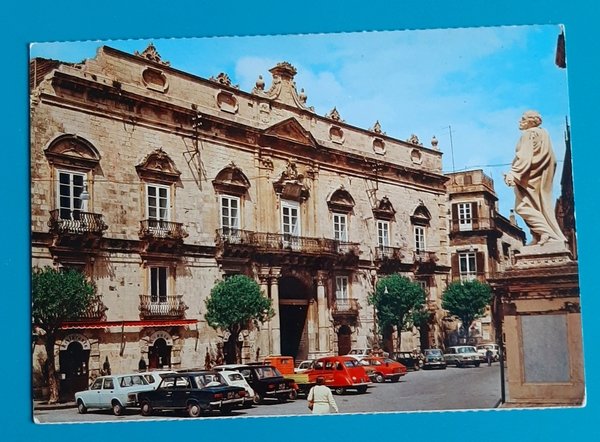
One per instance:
(275, 327)
(264, 344)
(322, 312)
(312, 327)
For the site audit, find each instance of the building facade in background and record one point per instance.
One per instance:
(157, 184)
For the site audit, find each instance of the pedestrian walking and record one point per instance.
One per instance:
(489, 356)
(320, 399)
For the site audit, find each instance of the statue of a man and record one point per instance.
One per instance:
(531, 175)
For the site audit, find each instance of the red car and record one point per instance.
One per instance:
(380, 369)
(341, 373)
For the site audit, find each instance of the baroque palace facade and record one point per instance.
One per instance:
(157, 183)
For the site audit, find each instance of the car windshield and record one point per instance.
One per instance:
(351, 363)
(129, 381)
(236, 377)
(434, 352)
(466, 350)
(267, 372)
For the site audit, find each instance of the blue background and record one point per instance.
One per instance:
(64, 20)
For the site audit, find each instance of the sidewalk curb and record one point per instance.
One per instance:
(59, 406)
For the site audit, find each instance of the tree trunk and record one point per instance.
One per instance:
(399, 328)
(234, 353)
(53, 385)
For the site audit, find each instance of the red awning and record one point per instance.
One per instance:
(142, 323)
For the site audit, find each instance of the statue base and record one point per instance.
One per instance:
(539, 309)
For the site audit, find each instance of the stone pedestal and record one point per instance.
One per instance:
(541, 326)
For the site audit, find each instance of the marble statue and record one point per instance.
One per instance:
(531, 175)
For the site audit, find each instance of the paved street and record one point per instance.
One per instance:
(450, 389)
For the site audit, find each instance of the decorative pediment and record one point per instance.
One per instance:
(150, 53)
(291, 130)
(384, 209)
(231, 180)
(158, 167)
(72, 151)
(421, 215)
(290, 185)
(341, 201)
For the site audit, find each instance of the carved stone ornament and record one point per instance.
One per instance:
(158, 167)
(155, 79)
(434, 143)
(341, 201)
(223, 78)
(384, 209)
(414, 140)
(227, 102)
(334, 115)
(72, 151)
(416, 157)
(336, 134)
(283, 87)
(421, 216)
(231, 180)
(290, 184)
(377, 128)
(379, 146)
(150, 53)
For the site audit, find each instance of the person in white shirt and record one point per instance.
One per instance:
(321, 398)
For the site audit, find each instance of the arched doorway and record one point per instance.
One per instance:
(159, 353)
(294, 298)
(344, 340)
(73, 361)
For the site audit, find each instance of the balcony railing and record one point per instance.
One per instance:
(171, 306)
(277, 241)
(470, 224)
(424, 256)
(387, 252)
(345, 307)
(346, 248)
(95, 311)
(79, 223)
(160, 229)
(230, 235)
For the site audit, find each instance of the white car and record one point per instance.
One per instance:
(462, 355)
(114, 392)
(235, 378)
(304, 366)
(360, 353)
(154, 377)
(483, 348)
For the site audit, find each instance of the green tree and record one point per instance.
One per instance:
(234, 304)
(397, 300)
(467, 300)
(57, 296)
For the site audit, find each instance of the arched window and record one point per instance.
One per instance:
(231, 184)
(340, 204)
(420, 220)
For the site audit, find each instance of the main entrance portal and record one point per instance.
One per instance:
(293, 308)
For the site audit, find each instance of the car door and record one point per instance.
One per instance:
(92, 396)
(107, 393)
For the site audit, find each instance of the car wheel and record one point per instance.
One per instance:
(458, 364)
(477, 364)
(293, 395)
(81, 408)
(379, 378)
(443, 367)
(257, 399)
(146, 409)
(395, 379)
(340, 390)
(117, 408)
(226, 409)
(362, 389)
(283, 398)
(194, 410)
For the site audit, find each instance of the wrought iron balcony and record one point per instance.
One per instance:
(472, 224)
(275, 242)
(170, 306)
(345, 307)
(78, 222)
(388, 253)
(160, 229)
(95, 311)
(228, 235)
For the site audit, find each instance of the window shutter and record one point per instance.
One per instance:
(454, 263)
(454, 227)
(475, 215)
(480, 263)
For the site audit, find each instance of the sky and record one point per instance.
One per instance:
(467, 87)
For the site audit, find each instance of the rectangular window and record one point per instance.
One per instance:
(419, 238)
(383, 233)
(158, 284)
(70, 186)
(465, 216)
(467, 266)
(230, 215)
(157, 202)
(341, 288)
(290, 224)
(340, 227)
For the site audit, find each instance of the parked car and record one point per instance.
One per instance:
(115, 392)
(265, 380)
(236, 379)
(359, 353)
(194, 392)
(285, 365)
(433, 358)
(304, 366)
(410, 359)
(382, 369)
(154, 377)
(461, 355)
(483, 348)
(341, 373)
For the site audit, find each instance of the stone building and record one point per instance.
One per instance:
(482, 241)
(157, 183)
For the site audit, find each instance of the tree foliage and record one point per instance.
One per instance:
(396, 298)
(234, 304)
(467, 300)
(57, 296)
